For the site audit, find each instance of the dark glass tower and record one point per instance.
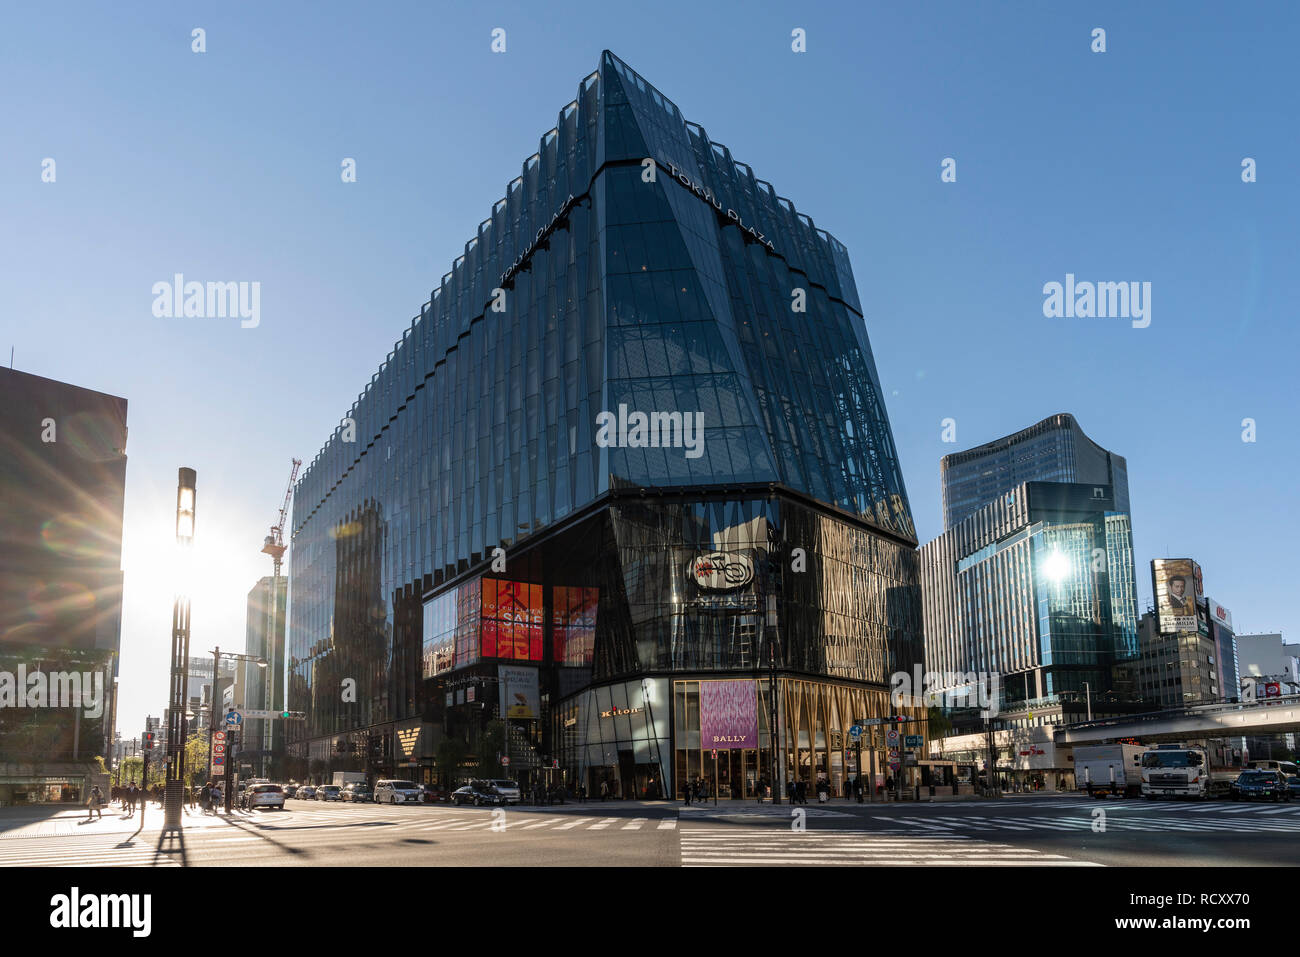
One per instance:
(1053, 450)
(634, 441)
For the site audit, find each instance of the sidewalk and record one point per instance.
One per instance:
(62, 821)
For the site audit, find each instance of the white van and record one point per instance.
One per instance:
(397, 791)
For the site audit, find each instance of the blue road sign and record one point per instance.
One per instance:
(234, 717)
(855, 732)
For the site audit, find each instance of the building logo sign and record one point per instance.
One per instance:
(406, 739)
(1219, 614)
(721, 571)
(706, 194)
(620, 712)
(537, 240)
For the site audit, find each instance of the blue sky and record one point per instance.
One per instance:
(1115, 166)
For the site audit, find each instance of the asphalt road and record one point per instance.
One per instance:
(1041, 830)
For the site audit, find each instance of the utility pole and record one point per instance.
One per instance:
(773, 726)
(212, 710)
(992, 759)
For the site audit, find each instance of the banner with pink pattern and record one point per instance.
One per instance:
(728, 715)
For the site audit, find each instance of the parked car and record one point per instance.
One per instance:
(1264, 785)
(477, 793)
(263, 795)
(394, 791)
(329, 792)
(306, 792)
(432, 794)
(357, 793)
(290, 790)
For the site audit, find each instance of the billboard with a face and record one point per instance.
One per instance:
(1176, 584)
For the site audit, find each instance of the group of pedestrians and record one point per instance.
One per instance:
(555, 794)
(698, 791)
(210, 797)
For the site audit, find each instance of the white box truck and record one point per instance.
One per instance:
(1173, 770)
(344, 778)
(1109, 769)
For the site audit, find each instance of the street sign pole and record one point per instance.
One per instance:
(859, 761)
(871, 750)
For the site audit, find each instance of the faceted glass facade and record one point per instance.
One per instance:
(632, 267)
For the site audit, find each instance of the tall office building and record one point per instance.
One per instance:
(633, 450)
(1024, 588)
(62, 485)
(1053, 450)
(264, 638)
(1225, 649)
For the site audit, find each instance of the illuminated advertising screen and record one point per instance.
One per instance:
(519, 691)
(728, 715)
(1176, 583)
(512, 620)
(573, 625)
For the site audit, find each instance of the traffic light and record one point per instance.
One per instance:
(148, 740)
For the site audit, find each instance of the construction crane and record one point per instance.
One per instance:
(275, 547)
(274, 544)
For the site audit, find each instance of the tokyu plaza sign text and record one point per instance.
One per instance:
(706, 194)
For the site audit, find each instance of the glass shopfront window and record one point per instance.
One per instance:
(814, 744)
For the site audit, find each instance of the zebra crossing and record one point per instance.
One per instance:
(408, 821)
(92, 850)
(772, 846)
(757, 810)
(1239, 819)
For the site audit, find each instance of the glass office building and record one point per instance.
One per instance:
(1053, 450)
(629, 465)
(62, 489)
(1035, 587)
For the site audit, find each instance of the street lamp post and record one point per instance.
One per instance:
(180, 670)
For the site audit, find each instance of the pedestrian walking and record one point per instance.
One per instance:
(686, 789)
(857, 788)
(801, 792)
(94, 803)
